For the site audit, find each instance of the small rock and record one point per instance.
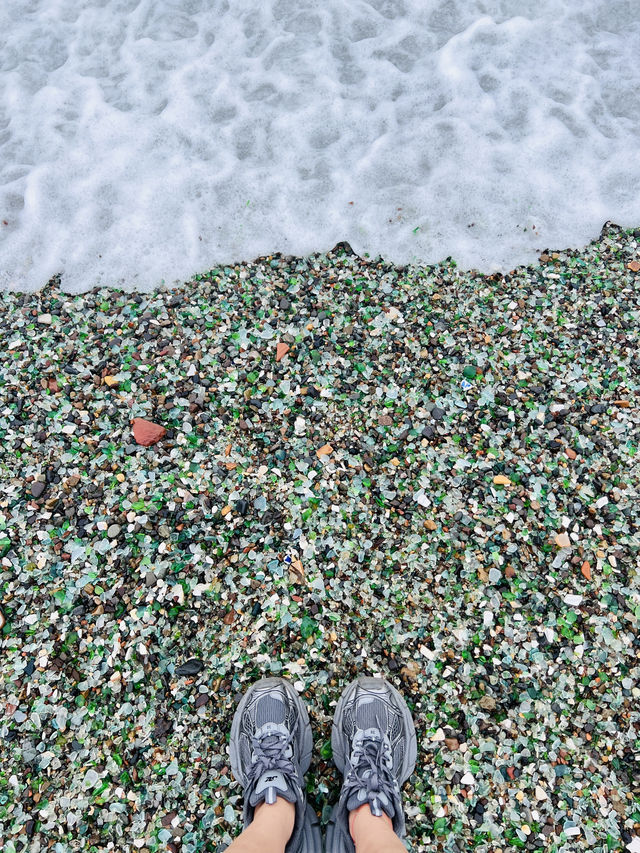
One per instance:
(437, 413)
(634, 266)
(563, 541)
(113, 531)
(509, 572)
(540, 794)
(111, 381)
(430, 524)
(494, 575)
(385, 420)
(45, 319)
(487, 702)
(501, 480)
(190, 667)
(452, 743)
(438, 736)
(585, 568)
(150, 579)
(146, 432)
(570, 453)
(38, 488)
(296, 571)
(242, 506)
(325, 450)
(281, 351)
(202, 699)
(410, 670)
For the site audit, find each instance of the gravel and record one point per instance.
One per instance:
(437, 482)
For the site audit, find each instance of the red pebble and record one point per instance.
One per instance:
(147, 433)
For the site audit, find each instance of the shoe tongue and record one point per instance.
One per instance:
(272, 784)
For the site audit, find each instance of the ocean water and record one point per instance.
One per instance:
(142, 141)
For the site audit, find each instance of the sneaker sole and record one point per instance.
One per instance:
(375, 684)
(307, 737)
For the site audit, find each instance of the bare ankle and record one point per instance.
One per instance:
(362, 820)
(279, 817)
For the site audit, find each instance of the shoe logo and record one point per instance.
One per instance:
(271, 779)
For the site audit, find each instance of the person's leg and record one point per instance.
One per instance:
(269, 830)
(374, 745)
(373, 834)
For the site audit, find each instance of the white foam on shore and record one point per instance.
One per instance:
(143, 141)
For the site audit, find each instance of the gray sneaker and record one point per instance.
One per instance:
(270, 751)
(374, 746)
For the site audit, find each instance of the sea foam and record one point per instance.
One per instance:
(142, 141)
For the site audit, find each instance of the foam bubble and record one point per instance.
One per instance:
(144, 141)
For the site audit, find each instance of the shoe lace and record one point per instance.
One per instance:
(268, 753)
(371, 771)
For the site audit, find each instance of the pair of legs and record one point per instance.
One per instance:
(272, 826)
(373, 743)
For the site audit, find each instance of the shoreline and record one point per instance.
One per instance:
(343, 247)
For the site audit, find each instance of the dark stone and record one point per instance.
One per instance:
(162, 727)
(437, 413)
(242, 506)
(191, 667)
(37, 488)
(202, 699)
